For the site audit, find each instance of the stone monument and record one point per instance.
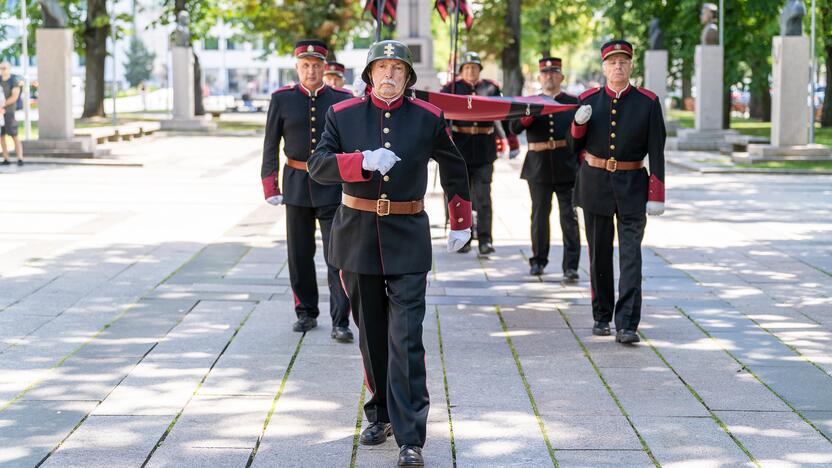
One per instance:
(655, 64)
(413, 29)
(790, 114)
(708, 134)
(183, 81)
(56, 134)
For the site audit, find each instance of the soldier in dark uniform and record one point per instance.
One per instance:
(476, 142)
(550, 168)
(334, 74)
(614, 188)
(378, 147)
(296, 115)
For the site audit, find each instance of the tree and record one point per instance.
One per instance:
(95, 32)
(824, 31)
(139, 65)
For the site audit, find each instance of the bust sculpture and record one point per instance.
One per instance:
(710, 32)
(791, 18)
(656, 35)
(54, 16)
(182, 33)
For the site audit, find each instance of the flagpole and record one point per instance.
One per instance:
(27, 122)
(454, 45)
(379, 16)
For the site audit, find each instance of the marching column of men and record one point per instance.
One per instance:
(296, 116)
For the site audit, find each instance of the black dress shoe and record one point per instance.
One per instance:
(376, 433)
(570, 277)
(465, 248)
(5, 162)
(601, 329)
(410, 455)
(341, 334)
(304, 324)
(19, 162)
(486, 248)
(627, 336)
(536, 269)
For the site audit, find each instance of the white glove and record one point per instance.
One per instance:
(275, 200)
(655, 208)
(583, 114)
(381, 160)
(456, 239)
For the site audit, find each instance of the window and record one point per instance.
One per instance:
(211, 43)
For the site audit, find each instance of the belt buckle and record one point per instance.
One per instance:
(611, 165)
(552, 144)
(383, 207)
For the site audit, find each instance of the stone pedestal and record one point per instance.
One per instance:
(56, 127)
(655, 75)
(708, 76)
(183, 94)
(789, 101)
(413, 29)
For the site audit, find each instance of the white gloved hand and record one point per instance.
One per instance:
(583, 114)
(655, 208)
(381, 160)
(457, 239)
(275, 200)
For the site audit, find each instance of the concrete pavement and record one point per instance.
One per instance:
(145, 320)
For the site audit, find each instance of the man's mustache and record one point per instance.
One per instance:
(388, 81)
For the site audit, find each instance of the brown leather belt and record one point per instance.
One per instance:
(612, 164)
(383, 206)
(295, 164)
(547, 145)
(473, 130)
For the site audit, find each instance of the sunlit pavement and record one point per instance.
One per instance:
(145, 318)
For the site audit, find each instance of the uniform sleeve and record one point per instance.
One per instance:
(517, 126)
(270, 168)
(576, 136)
(453, 176)
(656, 137)
(329, 165)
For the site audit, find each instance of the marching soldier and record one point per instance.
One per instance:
(613, 185)
(334, 74)
(377, 147)
(550, 168)
(476, 142)
(296, 115)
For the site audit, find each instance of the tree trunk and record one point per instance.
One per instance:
(95, 45)
(199, 108)
(726, 108)
(545, 36)
(512, 73)
(826, 114)
(687, 84)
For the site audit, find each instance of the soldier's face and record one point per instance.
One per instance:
(550, 80)
(310, 72)
(334, 80)
(389, 77)
(617, 69)
(470, 72)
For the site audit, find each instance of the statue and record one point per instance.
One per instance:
(54, 16)
(182, 33)
(710, 33)
(791, 18)
(656, 35)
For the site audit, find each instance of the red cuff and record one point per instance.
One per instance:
(655, 191)
(349, 166)
(526, 121)
(270, 188)
(459, 211)
(578, 131)
(513, 142)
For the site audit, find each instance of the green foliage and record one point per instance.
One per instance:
(139, 65)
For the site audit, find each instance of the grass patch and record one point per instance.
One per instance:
(802, 165)
(227, 126)
(749, 127)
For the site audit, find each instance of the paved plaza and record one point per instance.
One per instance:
(145, 320)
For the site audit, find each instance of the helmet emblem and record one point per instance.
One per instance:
(389, 50)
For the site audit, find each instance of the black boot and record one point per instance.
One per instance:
(376, 433)
(410, 455)
(486, 248)
(341, 334)
(304, 324)
(601, 329)
(570, 277)
(627, 337)
(536, 269)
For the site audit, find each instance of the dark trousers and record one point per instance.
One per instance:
(599, 235)
(479, 179)
(541, 210)
(389, 311)
(300, 240)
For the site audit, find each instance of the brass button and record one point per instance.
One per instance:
(387, 144)
(613, 123)
(312, 151)
(612, 147)
(387, 178)
(312, 118)
(551, 138)
(614, 112)
(383, 195)
(612, 135)
(458, 204)
(313, 130)
(386, 130)
(313, 99)
(551, 123)
(476, 123)
(551, 130)
(314, 140)
(615, 101)
(387, 114)
(313, 109)
(459, 220)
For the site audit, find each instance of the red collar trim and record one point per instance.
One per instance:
(384, 105)
(613, 94)
(314, 93)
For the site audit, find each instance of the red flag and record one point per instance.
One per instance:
(389, 15)
(490, 108)
(445, 8)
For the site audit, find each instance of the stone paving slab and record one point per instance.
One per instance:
(778, 438)
(705, 443)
